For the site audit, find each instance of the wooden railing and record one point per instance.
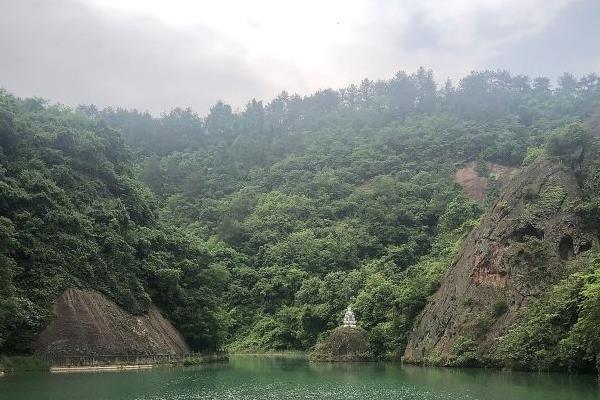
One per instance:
(131, 359)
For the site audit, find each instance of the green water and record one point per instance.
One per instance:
(252, 377)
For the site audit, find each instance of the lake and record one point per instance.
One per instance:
(261, 377)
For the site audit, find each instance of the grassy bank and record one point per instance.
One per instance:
(204, 359)
(22, 364)
(283, 354)
(30, 363)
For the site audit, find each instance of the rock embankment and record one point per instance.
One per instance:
(520, 249)
(86, 323)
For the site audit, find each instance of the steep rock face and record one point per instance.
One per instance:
(520, 249)
(87, 323)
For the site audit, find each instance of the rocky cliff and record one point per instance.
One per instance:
(87, 323)
(520, 248)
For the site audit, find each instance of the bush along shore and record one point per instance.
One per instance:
(138, 359)
(18, 364)
(22, 364)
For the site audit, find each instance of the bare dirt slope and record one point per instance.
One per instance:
(86, 323)
(474, 186)
(520, 249)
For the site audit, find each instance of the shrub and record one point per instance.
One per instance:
(532, 154)
(530, 192)
(568, 143)
(22, 364)
(481, 168)
(559, 330)
(465, 353)
(483, 323)
(500, 307)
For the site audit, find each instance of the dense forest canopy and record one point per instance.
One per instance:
(253, 230)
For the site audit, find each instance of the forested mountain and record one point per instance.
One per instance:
(74, 215)
(253, 230)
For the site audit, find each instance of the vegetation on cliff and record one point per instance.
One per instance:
(561, 329)
(523, 292)
(255, 229)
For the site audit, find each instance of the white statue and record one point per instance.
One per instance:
(349, 319)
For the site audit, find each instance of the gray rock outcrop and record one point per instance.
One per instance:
(520, 248)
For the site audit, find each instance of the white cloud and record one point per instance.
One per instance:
(156, 54)
(318, 39)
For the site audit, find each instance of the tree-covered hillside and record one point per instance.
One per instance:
(255, 229)
(72, 213)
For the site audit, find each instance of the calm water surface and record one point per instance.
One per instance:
(253, 377)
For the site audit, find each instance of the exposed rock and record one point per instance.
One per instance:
(343, 344)
(474, 186)
(520, 249)
(86, 323)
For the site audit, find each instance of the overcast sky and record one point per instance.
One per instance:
(157, 54)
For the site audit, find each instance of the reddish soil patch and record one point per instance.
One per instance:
(475, 187)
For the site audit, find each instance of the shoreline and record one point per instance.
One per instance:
(287, 354)
(23, 364)
(99, 368)
(128, 366)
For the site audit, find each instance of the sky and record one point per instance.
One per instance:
(156, 54)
